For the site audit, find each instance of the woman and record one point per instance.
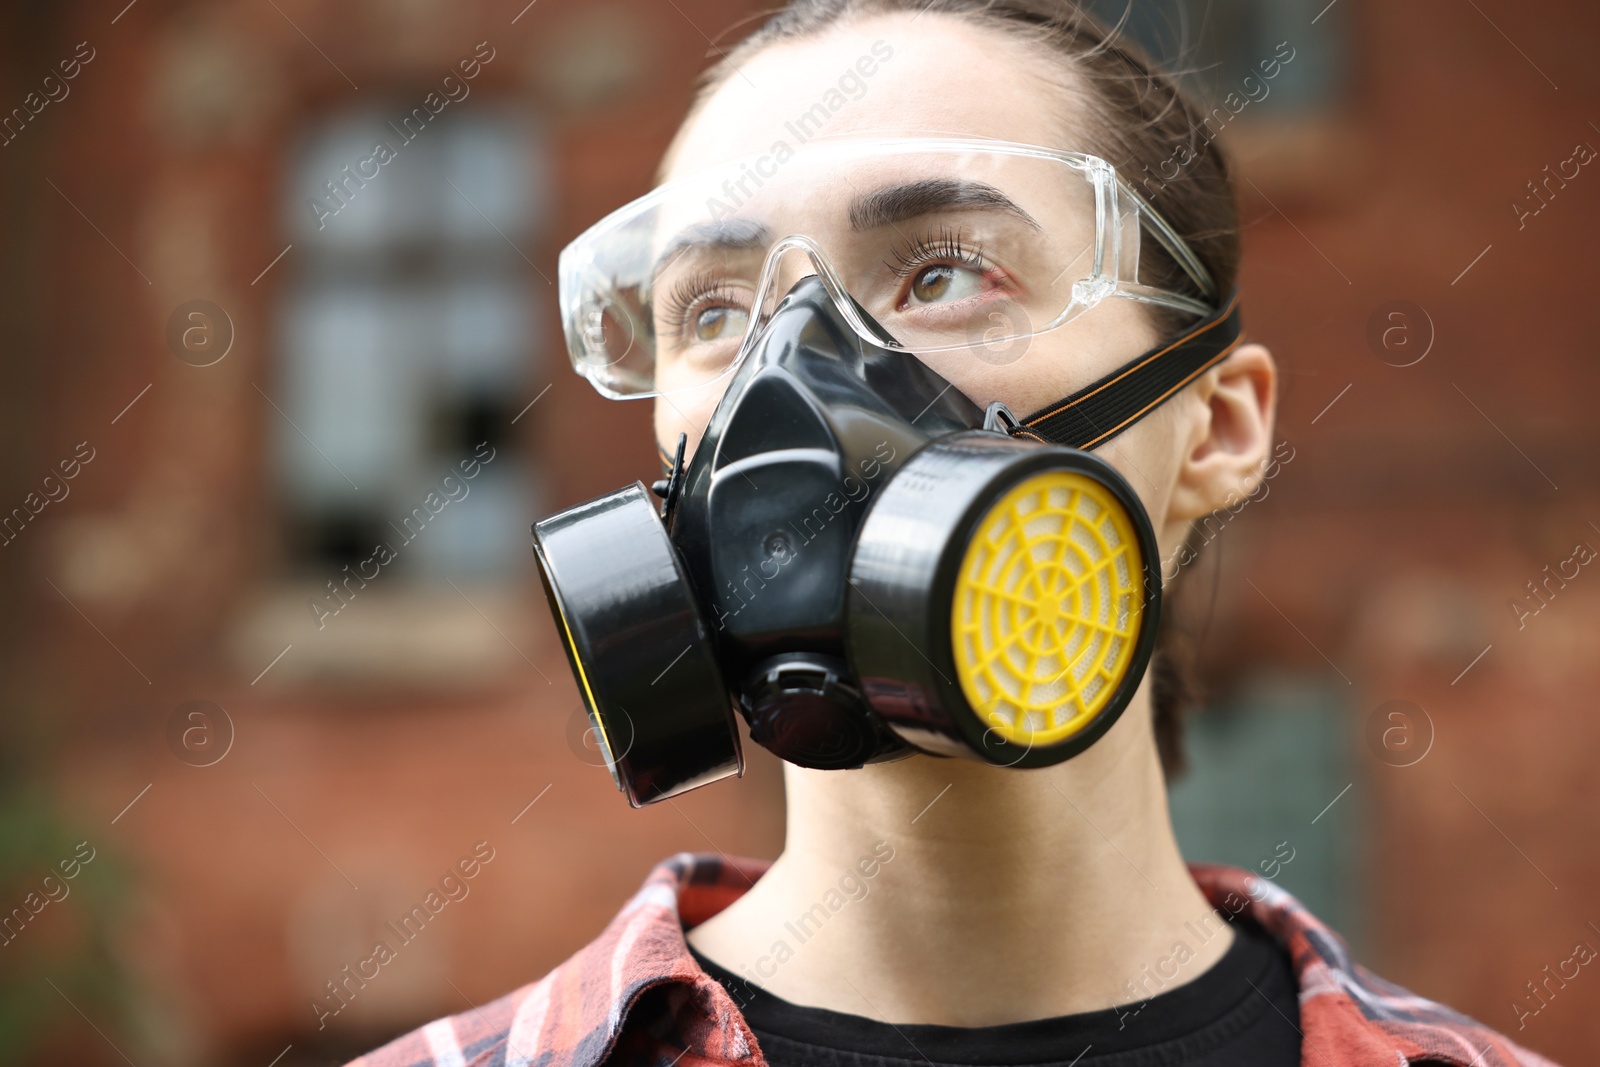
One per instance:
(947, 910)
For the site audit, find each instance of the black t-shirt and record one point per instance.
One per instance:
(1242, 1012)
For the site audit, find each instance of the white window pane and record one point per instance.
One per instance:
(365, 194)
(485, 531)
(486, 326)
(497, 190)
(349, 385)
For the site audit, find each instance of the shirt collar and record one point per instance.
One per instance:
(577, 1013)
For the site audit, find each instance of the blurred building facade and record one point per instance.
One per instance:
(279, 344)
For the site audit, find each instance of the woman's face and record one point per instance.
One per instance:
(942, 77)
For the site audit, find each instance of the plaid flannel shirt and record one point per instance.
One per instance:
(637, 996)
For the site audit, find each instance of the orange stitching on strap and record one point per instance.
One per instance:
(1136, 416)
(1219, 320)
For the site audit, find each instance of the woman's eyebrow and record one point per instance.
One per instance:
(895, 203)
(724, 234)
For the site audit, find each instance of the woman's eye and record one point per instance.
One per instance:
(720, 323)
(944, 282)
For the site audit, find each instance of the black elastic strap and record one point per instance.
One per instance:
(1098, 412)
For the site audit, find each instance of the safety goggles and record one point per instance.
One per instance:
(947, 244)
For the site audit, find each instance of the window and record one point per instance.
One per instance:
(1216, 44)
(406, 341)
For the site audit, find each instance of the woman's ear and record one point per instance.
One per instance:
(1227, 440)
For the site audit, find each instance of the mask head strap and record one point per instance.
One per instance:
(1099, 411)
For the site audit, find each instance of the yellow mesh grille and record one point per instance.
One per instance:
(1046, 609)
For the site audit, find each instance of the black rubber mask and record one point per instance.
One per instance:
(864, 563)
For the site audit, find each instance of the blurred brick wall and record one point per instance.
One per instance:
(1426, 497)
(172, 145)
(1385, 554)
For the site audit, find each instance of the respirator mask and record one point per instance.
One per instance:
(857, 558)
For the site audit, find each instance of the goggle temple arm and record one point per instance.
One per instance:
(1159, 228)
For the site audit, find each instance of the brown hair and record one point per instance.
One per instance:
(1143, 123)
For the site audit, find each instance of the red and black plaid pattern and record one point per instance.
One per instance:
(636, 993)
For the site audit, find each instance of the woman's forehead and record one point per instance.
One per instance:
(893, 75)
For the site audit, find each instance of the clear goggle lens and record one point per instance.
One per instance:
(945, 244)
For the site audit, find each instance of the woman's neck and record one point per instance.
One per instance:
(948, 891)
